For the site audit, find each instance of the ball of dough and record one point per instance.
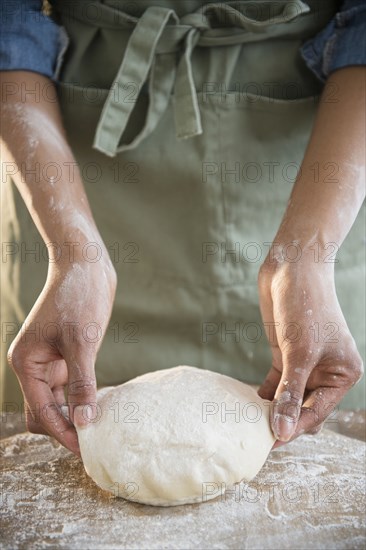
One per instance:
(176, 436)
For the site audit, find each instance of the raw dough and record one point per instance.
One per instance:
(176, 436)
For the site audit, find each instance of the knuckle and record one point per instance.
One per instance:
(296, 397)
(15, 356)
(289, 396)
(113, 277)
(291, 409)
(289, 403)
(10, 359)
(84, 386)
(353, 360)
(353, 364)
(264, 276)
(267, 269)
(357, 369)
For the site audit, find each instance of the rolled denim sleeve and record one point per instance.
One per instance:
(341, 43)
(29, 39)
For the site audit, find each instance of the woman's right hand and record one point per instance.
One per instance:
(57, 347)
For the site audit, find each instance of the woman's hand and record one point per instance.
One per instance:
(57, 346)
(314, 357)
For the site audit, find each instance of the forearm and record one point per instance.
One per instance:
(36, 154)
(330, 187)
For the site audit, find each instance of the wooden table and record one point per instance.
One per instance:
(310, 494)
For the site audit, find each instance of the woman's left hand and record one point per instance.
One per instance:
(314, 356)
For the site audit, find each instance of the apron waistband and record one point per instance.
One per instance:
(160, 31)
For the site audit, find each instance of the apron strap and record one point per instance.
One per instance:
(135, 67)
(140, 62)
(186, 111)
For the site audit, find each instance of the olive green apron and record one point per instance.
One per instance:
(189, 121)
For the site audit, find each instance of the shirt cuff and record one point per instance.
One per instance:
(29, 39)
(342, 43)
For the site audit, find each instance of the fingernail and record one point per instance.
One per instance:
(85, 414)
(65, 411)
(283, 427)
(82, 416)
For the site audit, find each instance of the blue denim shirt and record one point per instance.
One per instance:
(29, 40)
(341, 43)
(32, 41)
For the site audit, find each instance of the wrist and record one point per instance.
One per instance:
(89, 272)
(311, 253)
(77, 244)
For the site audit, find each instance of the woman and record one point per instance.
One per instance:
(182, 128)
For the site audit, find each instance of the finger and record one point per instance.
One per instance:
(59, 395)
(82, 388)
(315, 430)
(266, 309)
(286, 406)
(268, 389)
(33, 426)
(46, 414)
(319, 404)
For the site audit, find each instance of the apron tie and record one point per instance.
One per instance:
(149, 55)
(186, 111)
(138, 60)
(187, 115)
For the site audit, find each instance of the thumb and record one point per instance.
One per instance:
(82, 388)
(286, 406)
